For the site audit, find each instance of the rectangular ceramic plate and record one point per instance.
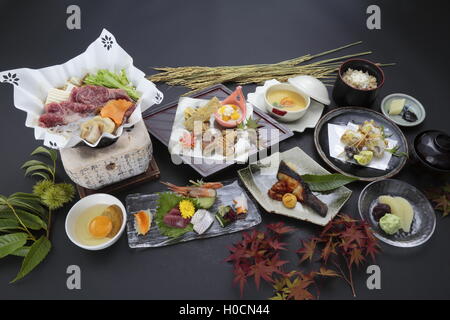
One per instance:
(259, 181)
(225, 196)
(159, 121)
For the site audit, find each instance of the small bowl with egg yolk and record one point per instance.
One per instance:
(96, 222)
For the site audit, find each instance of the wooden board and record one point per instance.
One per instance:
(152, 173)
(159, 121)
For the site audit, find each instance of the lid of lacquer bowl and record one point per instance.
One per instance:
(433, 148)
(312, 87)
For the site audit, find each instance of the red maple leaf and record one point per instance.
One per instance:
(299, 289)
(328, 249)
(443, 204)
(352, 234)
(240, 277)
(308, 250)
(276, 245)
(324, 272)
(279, 228)
(262, 270)
(372, 250)
(356, 257)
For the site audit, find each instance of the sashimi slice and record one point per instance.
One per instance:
(174, 219)
(202, 225)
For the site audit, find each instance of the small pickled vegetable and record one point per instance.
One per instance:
(225, 215)
(289, 200)
(409, 116)
(364, 157)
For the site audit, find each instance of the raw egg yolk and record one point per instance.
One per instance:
(100, 226)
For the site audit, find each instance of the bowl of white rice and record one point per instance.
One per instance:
(357, 83)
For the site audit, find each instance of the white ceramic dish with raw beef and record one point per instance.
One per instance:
(31, 87)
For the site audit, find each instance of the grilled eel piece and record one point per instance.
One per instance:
(290, 181)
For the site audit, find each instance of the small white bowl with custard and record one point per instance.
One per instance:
(290, 101)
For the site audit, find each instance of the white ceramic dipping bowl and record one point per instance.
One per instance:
(285, 115)
(81, 206)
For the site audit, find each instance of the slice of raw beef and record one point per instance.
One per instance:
(96, 95)
(62, 113)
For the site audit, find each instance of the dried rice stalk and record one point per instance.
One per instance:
(197, 78)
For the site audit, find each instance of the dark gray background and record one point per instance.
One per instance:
(177, 33)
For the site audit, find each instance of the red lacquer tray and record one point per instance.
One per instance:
(159, 121)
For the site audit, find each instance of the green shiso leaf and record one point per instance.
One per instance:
(167, 201)
(326, 182)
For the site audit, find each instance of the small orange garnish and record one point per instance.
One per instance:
(143, 222)
(287, 102)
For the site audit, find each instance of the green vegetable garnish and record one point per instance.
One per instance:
(396, 153)
(110, 79)
(326, 182)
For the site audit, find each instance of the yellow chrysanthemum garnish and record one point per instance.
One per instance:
(187, 209)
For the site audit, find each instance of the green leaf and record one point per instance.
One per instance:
(11, 242)
(38, 167)
(252, 123)
(396, 153)
(326, 182)
(30, 163)
(23, 195)
(31, 205)
(49, 152)
(38, 251)
(30, 220)
(8, 224)
(41, 174)
(21, 252)
(167, 201)
(3, 200)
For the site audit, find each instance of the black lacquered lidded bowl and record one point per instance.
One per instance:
(432, 149)
(344, 94)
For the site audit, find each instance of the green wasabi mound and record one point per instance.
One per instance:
(390, 223)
